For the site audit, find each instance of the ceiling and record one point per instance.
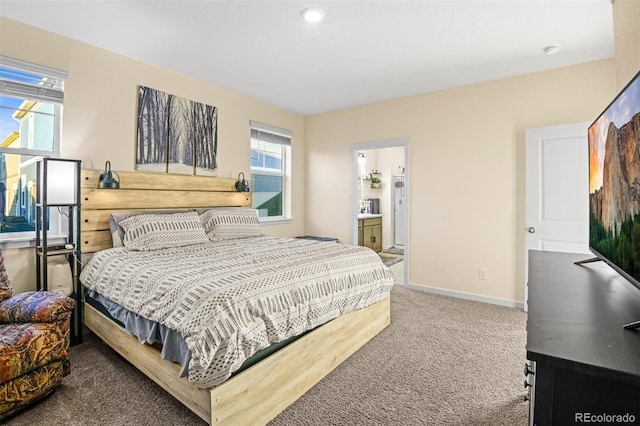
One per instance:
(362, 52)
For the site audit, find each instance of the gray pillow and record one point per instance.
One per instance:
(227, 223)
(117, 232)
(147, 232)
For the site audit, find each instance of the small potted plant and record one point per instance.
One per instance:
(375, 182)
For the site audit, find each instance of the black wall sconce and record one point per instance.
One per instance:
(242, 185)
(107, 179)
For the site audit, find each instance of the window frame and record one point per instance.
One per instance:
(53, 95)
(284, 174)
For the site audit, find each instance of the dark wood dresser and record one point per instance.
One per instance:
(586, 366)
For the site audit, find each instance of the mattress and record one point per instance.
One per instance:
(230, 299)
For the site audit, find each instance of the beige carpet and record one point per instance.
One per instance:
(442, 361)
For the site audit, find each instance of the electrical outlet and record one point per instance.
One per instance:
(482, 273)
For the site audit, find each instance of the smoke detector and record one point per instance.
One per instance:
(550, 50)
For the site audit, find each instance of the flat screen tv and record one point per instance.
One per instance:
(614, 184)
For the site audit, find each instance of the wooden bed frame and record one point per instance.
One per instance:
(258, 394)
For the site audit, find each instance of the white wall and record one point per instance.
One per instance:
(466, 170)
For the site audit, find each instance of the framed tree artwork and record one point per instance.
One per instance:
(175, 135)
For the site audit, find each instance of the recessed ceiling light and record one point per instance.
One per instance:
(550, 50)
(312, 14)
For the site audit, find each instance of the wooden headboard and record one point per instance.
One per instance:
(147, 191)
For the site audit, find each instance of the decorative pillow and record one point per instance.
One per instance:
(227, 223)
(117, 231)
(146, 232)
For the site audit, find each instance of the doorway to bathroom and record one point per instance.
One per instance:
(380, 200)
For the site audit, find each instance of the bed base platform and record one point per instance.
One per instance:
(261, 392)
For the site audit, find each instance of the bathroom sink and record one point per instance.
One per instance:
(368, 215)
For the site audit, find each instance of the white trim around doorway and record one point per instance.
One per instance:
(380, 144)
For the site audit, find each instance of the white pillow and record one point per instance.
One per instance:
(228, 223)
(148, 232)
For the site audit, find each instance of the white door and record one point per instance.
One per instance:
(557, 190)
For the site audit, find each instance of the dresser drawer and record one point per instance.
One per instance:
(372, 221)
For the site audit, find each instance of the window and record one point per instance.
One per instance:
(270, 153)
(31, 98)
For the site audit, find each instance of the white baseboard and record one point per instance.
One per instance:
(468, 296)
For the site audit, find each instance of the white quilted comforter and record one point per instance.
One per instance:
(229, 299)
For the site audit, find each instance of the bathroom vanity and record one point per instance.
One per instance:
(370, 231)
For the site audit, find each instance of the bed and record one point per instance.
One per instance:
(258, 393)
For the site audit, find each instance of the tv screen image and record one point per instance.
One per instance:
(614, 183)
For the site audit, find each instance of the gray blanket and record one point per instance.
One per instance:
(229, 299)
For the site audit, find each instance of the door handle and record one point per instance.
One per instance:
(530, 230)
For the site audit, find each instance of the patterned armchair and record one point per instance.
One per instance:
(34, 344)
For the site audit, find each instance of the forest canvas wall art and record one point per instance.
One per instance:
(175, 135)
